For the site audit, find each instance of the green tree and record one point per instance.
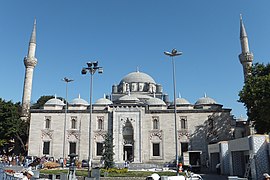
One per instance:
(256, 97)
(13, 130)
(107, 155)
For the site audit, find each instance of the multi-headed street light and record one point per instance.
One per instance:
(173, 54)
(66, 107)
(92, 67)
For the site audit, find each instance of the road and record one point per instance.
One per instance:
(214, 177)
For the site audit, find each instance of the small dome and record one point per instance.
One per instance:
(138, 77)
(205, 100)
(79, 101)
(128, 98)
(181, 101)
(103, 101)
(155, 101)
(54, 101)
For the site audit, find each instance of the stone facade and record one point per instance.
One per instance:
(141, 123)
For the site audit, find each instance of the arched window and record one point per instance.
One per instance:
(100, 124)
(155, 124)
(183, 124)
(47, 123)
(73, 123)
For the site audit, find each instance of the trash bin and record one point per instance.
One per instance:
(96, 173)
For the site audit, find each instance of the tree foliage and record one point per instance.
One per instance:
(107, 155)
(13, 131)
(256, 97)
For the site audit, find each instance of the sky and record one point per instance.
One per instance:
(123, 35)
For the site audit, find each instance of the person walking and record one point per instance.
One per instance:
(27, 175)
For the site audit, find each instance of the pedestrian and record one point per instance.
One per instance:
(27, 175)
(266, 176)
(218, 168)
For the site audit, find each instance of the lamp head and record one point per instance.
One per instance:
(95, 63)
(174, 51)
(84, 71)
(100, 70)
(89, 64)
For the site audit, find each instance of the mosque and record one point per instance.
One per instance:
(138, 114)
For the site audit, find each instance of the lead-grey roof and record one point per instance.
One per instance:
(55, 101)
(205, 100)
(128, 98)
(155, 101)
(138, 77)
(103, 101)
(79, 101)
(181, 101)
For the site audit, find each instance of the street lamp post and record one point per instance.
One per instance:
(172, 55)
(92, 67)
(65, 122)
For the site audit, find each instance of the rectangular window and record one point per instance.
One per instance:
(184, 147)
(99, 149)
(156, 149)
(46, 147)
(72, 147)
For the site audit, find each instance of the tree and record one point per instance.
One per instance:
(13, 130)
(107, 155)
(256, 97)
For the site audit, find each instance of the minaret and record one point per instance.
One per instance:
(30, 62)
(246, 57)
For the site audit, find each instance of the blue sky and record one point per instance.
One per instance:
(123, 35)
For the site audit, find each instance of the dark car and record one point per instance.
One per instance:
(85, 163)
(170, 165)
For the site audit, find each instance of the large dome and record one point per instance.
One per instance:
(138, 77)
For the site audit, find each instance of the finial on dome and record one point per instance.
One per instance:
(79, 96)
(154, 95)
(55, 96)
(205, 95)
(104, 96)
(138, 69)
(179, 95)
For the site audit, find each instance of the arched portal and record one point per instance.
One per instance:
(128, 147)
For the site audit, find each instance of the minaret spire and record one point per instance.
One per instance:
(246, 57)
(29, 62)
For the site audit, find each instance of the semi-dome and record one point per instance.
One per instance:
(181, 101)
(54, 101)
(103, 101)
(138, 77)
(79, 101)
(205, 100)
(156, 102)
(128, 98)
